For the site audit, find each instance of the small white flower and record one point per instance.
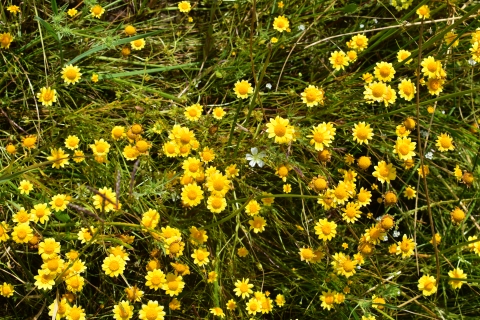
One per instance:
(255, 157)
(443, 111)
(301, 27)
(385, 238)
(378, 218)
(269, 86)
(396, 233)
(429, 155)
(472, 62)
(430, 30)
(361, 26)
(359, 267)
(424, 133)
(375, 20)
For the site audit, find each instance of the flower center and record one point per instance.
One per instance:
(192, 194)
(173, 285)
(200, 256)
(21, 234)
(429, 286)
(59, 202)
(52, 265)
(348, 266)
(307, 254)
(385, 71)
(156, 280)
(318, 137)
(97, 10)
(174, 248)
(114, 265)
(216, 203)
(351, 212)
(48, 95)
(71, 74)
(378, 90)
(281, 24)
(218, 185)
(185, 138)
(384, 171)
(432, 66)
(243, 89)
(326, 229)
(404, 149)
(311, 95)
(151, 314)
(362, 133)
(329, 299)
(445, 143)
(280, 130)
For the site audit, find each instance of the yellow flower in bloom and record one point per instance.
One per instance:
(198, 237)
(106, 200)
(339, 60)
(71, 74)
(130, 153)
(375, 91)
(59, 202)
(242, 252)
(10, 148)
(457, 172)
(457, 215)
(62, 308)
(212, 277)
(457, 273)
(322, 135)
(192, 195)
(75, 313)
(428, 285)
(328, 299)
(307, 254)
(94, 78)
(367, 77)
(123, 310)
(359, 42)
(385, 172)
(207, 155)
(138, 44)
(40, 213)
(216, 203)
(287, 188)
(47, 96)
(134, 294)
(451, 39)
(406, 247)
(257, 224)
(410, 192)
(312, 96)
(274, 40)
(22, 233)
(78, 156)
(22, 216)
(351, 212)
(184, 6)
(59, 158)
(218, 113)
(362, 133)
(118, 132)
(352, 56)
(97, 11)
(150, 218)
(217, 312)
(44, 281)
(72, 142)
(4, 228)
(423, 12)
(326, 230)
(243, 289)
(200, 257)
(155, 279)
(174, 304)
(49, 248)
(384, 71)
(25, 187)
(281, 23)
(404, 55)
(445, 142)
(13, 9)
(423, 170)
(243, 89)
(406, 89)
(280, 129)
(475, 50)
(53, 265)
(404, 148)
(152, 311)
(390, 96)
(193, 112)
(85, 235)
(344, 265)
(5, 40)
(431, 67)
(72, 12)
(173, 285)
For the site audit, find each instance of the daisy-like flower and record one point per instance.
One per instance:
(22, 216)
(173, 285)
(86, 235)
(212, 277)
(281, 23)
(312, 96)
(130, 153)
(217, 311)
(61, 307)
(198, 237)
(423, 170)
(97, 11)
(72, 12)
(113, 265)
(344, 265)
(123, 311)
(155, 279)
(427, 284)
(457, 273)
(307, 254)
(406, 89)
(44, 281)
(200, 257)
(72, 142)
(423, 12)
(404, 55)
(328, 299)
(4, 228)
(106, 200)
(184, 6)
(75, 313)
(385, 172)
(138, 44)
(59, 158)
(404, 148)
(362, 133)
(78, 156)
(22, 233)
(218, 184)
(352, 55)
(243, 289)
(281, 130)
(431, 67)
(13, 9)
(218, 113)
(255, 158)
(351, 212)
(367, 77)
(457, 215)
(326, 230)
(375, 91)
(152, 311)
(384, 71)
(71, 74)
(410, 192)
(339, 60)
(359, 42)
(59, 202)
(130, 30)
(40, 213)
(25, 187)
(207, 155)
(192, 195)
(445, 142)
(29, 141)
(253, 207)
(322, 135)
(6, 40)
(475, 50)
(242, 89)
(94, 78)
(406, 247)
(47, 96)
(257, 224)
(193, 112)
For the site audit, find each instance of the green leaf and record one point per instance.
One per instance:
(349, 8)
(62, 216)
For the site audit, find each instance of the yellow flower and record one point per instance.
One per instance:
(407, 89)
(287, 188)
(274, 40)
(94, 78)
(384, 71)
(100, 148)
(281, 23)
(130, 30)
(184, 6)
(344, 265)
(71, 74)
(119, 251)
(4, 228)
(449, 39)
(22, 216)
(22, 233)
(457, 215)
(130, 153)
(427, 284)
(257, 224)
(97, 11)
(25, 187)
(445, 143)
(212, 277)
(404, 148)
(59, 202)
(72, 12)
(113, 265)
(40, 213)
(322, 135)
(78, 156)
(44, 281)
(352, 56)
(280, 4)
(328, 299)
(106, 200)
(218, 113)
(155, 279)
(339, 60)
(217, 312)
(431, 67)
(406, 247)
(362, 133)
(423, 12)
(62, 308)
(423, 170)
(200, 257)
(475, 50)
(367, 77)
(29, 141)
(280, 129)
(192, 195)
(173, 285)
(351, 212)
(152, 311)
(174, 304)
(375, 91)
(243, 89)
(5, 40)
(457, 273)
(72, 142)
(243, 289)
(359, 42)
(123, 310)
(307, 254)
(216, 203)
(326, 230)
(410, 192)
(312, 96)
(75, 313)
(13, 9)
(385, 172)
(403, 55)
(401, 131)
(138, 44)
(242, 252)
(47, 96)
(11, 149)
(59, 158)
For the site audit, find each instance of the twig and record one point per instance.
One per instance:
(11, 121)
(132, 179)
(85, 211)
